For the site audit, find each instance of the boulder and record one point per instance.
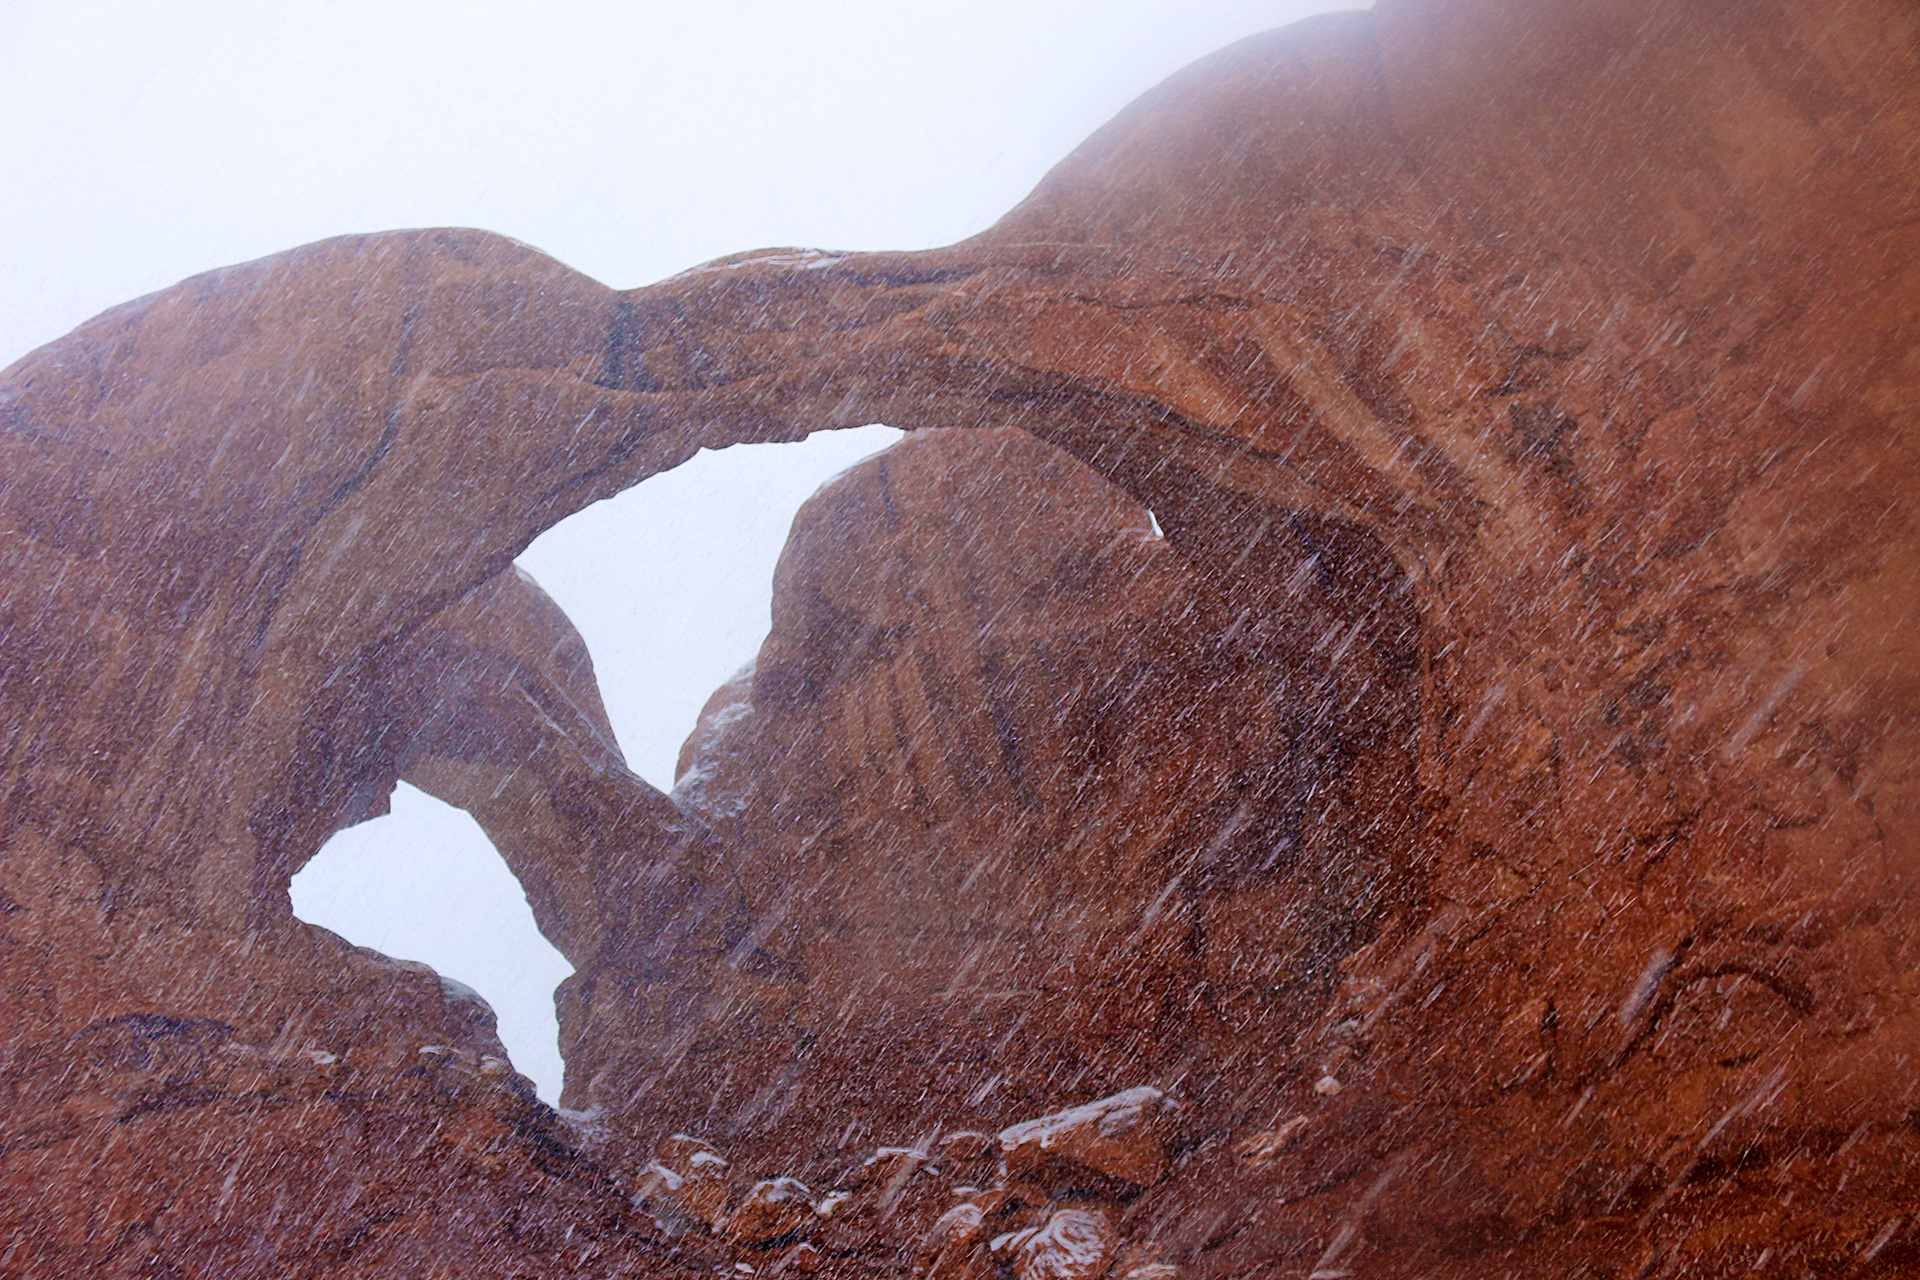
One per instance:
(886, 1207)
(770, 1210)
(688, 1178)
(955, 1247)
(1073, 1244)
(1123, 1136)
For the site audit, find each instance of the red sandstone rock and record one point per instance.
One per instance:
(1073, 1244)
(955, 1247)
(964, 1146)
(1522, 389)
(771, 1209)
(152, 1145)
(886, 1208)
(803, 1259)
(492, 706)
(1122, 1136)
(982, 658)
(690, 1178)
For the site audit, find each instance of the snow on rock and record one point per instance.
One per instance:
(688, 1177)
(1121, 1136)
(771, 1209)
(954, 1249)
(1137, 1264)
(1073, 1244)
(886, 1205)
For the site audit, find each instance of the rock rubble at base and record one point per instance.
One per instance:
(772, 1210)
(1122, 1136)
(687, 1177)
(1074, 1243)
(906, 1209)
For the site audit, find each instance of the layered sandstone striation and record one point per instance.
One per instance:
(1480, 797)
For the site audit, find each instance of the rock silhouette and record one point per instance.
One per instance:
(1489, 807)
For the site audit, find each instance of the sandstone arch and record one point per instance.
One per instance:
(1596, 323)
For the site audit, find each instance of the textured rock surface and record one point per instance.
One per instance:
(1528, 671)
(1072, 1244)
(1121, 1137)
(149, 1146)
(990, 783)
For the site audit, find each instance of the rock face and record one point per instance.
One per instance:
(1490, 806)
(1008, 772)
(146, 1145)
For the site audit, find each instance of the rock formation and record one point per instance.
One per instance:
(1010, 771)
(1488, 811)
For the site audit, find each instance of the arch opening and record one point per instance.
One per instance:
(1019, 742)
(669, 584)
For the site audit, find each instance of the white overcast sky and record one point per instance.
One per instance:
(141, 143)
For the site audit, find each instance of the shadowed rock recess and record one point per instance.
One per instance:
(1370, 729)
